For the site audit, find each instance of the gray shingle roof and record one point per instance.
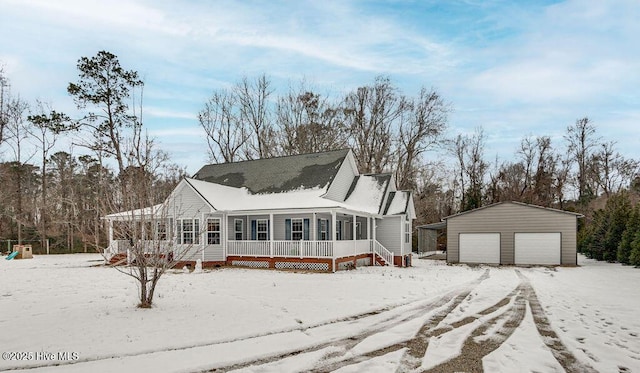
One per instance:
(274, 175)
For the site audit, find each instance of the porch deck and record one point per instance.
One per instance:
(283, 249)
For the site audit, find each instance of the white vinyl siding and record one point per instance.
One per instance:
(537, 248)
(186, 203)
(480, 248)
(342, 182)
(388, 233)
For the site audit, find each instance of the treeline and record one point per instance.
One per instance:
(50, 192)
(62, 195)
(386, 129)
(613, 233)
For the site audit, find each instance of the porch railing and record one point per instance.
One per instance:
(249, 248)
(382, 252)
(308, 249)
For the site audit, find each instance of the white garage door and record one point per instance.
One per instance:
(480, 248)
(537, 248)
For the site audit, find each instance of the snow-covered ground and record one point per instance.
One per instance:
(371, 319)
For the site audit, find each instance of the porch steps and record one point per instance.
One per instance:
(380, 261)
(118, 259)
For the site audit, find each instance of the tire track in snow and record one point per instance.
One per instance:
(393, 320)
(473, 350)
(562, 354)
(336, 360)
(504, 324)
(416, 347)
(470, 358)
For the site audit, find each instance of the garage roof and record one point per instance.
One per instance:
(514, 203)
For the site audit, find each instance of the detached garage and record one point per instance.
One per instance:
(512, 233)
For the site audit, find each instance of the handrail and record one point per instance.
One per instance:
(386, 255)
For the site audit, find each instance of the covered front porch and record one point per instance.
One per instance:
(319, 234)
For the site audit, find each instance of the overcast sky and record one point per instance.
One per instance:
(516, 68)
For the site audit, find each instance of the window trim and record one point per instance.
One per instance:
(324, 230)
(265, 232)
(301, 231)
(236, 231)
(210, 233)
(407, 233)
(194, 231)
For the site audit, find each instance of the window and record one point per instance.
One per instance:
(263, 229)
(296, 229)
(161, 231)
(407, 233)
(339, 224)
(323, 230)
(213, 231)
(188, 231)
(238, 229)
(358, 231)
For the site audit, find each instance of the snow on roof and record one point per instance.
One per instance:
(225, 198)
(137, 213)
(367, 194)
(397, 203)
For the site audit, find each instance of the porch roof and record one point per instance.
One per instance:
(144, 213)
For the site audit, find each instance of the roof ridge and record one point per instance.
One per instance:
(276, 157)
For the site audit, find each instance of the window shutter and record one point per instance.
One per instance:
(306, 229)
(287, 229)
(329, 237)
(318, 236)
(179, 231)
(268, 229)
(196, 231)
(254, 230)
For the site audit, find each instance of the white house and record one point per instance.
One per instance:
(310, 211)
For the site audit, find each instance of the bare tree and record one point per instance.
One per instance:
(4, 83)
(17, 134)
(423, 129)
(370, 113)
(472, 168)
(227, 133)
(309, 123)
(581, 139)
(611, 170)
(45, 129)
(253, 97)
(148, 225)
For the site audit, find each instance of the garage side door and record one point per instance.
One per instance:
(480, 248)
(537, 248)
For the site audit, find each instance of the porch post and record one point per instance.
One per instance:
(110, 231)
(333, 238)
(353, 237)
(271, 235)
(373, 242)
(369, 231)
(314, 228)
